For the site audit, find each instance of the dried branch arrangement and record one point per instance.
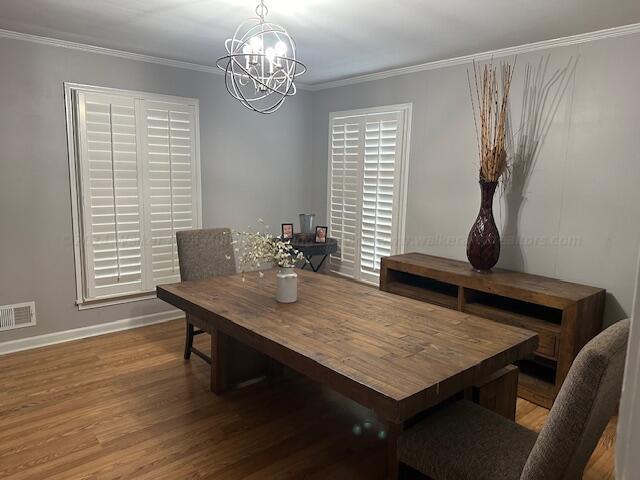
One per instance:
(490, 103)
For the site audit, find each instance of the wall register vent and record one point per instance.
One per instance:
(17, 316)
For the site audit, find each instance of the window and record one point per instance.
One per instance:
(367, 187)
(134, 162)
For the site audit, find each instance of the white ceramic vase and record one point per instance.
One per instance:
(287, 288)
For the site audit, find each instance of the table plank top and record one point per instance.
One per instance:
(390, 353)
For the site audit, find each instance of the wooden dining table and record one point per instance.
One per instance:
(394, 355)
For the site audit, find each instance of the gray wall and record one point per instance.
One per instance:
(252, 167)
(578, 217)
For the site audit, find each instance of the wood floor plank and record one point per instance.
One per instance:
(127, 406)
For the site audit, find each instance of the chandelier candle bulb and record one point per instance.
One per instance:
(256, 44)
(271, 54)
(247, 55)
(281, 49)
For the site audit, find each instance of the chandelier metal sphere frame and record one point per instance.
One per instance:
(260, 66)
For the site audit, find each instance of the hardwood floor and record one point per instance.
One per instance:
(127, 406)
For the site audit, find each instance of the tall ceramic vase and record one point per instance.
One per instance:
(483, 244)
(287, 287)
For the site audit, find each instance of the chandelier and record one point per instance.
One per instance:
(260, 66)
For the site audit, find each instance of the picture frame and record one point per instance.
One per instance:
(321, 234)
(287, 231)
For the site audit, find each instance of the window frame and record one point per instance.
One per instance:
(403, 173)
(71, 91)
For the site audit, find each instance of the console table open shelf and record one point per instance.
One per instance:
(564, 315)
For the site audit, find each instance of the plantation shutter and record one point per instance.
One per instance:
(364, 195)
(110, 191)
(169, 158)
(379, 184)
(136, 161)
(344, 192)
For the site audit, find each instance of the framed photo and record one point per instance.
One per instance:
(287, 231)
(321, 234)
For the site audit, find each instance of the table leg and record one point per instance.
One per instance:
(317, 267)
(310, 263)
(219, 361)
(275, 370)
(393, 433)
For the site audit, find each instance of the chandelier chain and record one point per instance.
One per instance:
(262, 10)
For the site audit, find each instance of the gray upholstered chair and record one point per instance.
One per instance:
(466, 441)
(203, 254)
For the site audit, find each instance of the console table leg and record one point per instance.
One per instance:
(320, 264)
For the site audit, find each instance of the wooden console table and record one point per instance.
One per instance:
(564, 315)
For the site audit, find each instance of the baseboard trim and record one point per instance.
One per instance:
(85, 332)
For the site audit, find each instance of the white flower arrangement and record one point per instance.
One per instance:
(256, 249)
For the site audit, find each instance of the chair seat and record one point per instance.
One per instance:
(465, 441)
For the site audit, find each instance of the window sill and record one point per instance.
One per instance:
(117, 300)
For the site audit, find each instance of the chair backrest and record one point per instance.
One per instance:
(586, 402)
(205, 253)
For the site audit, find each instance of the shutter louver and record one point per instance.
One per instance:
(170, 190)
(377, 190)
(344, 196)
(110, 195)
(364, 176)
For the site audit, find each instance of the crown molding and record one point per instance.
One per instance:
(55, 42)
(503, 52)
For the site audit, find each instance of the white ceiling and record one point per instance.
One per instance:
(335, 38)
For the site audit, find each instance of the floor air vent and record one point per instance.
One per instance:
(17, 316)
